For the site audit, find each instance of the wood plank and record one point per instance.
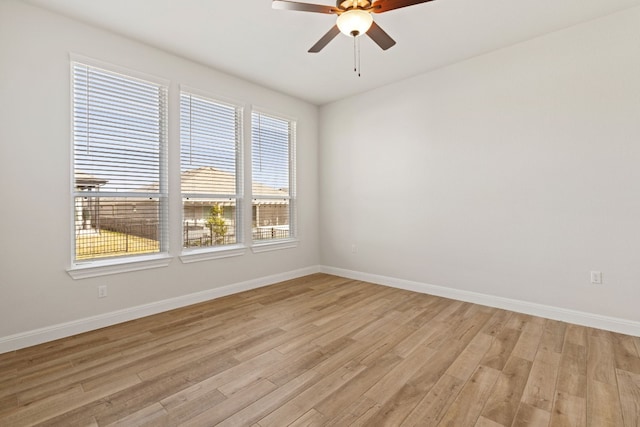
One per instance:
(629, 390)
(502, 405)
(466, 409)
(311, 418)
(234, 403)
(531, 416)
(339, 400)
(485, 422)
(576, 335)
(522, 322)
(625, 354)
(248, 371)
(497, 322)
(359, 413)
(28, 384)
(431, 409)
(572, 373)
(425, 334)
(43, 409)
(400, 374)
(266, 404)
(569, 411)
(471, 324)
(149, 415)
(191, 405)
(397, 405)
(8, 361)
(501, 348)
(601, 359)
(382, 344)
(128, 401)
(553, 336)
(603, 405)
(467, 362)
(296, 365)
(291, 410)
(8, 404)
(529, 341)
(541, 384)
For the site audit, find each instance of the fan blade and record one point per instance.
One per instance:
(331, 34)
(303, 7)
(387, 5)
(379, 36)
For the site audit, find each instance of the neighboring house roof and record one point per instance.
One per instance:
(203, 180)
(85, 181)
(210, 180)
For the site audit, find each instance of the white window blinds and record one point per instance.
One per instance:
(210, 141)
(273, 173)
(119, 149)
(119, 127)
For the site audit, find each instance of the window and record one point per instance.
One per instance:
(119, 164)
(120, 174)
(210, 167)
(273, 173)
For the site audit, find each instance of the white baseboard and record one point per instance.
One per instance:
(614, 324)
(62, 330)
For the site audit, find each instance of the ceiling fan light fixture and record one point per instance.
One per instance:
(354, 22)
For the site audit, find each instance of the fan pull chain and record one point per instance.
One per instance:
(355, 60)
(359, 56)
(356, 55)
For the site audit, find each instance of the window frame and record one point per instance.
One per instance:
(100, 266)
(189, 255)
(259, 246)
(169, 165)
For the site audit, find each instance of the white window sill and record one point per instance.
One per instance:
(195, 255)
(97, 268)
(274, 245)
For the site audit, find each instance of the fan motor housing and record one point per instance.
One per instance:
(348, 4)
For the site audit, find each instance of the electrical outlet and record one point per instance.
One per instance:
(354, 249)
(102, 291)
(596, 277)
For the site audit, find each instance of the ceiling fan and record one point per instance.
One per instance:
(354, 18)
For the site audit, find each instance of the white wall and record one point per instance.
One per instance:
(35, 207)
(511, 174)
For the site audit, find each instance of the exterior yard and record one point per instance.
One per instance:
(106, 243)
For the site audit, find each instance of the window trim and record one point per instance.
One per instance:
(275, 245)
(113, 265)
(259, 246)
(105, 267)
(210, 253)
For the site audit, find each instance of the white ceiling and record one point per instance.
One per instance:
(249, 39)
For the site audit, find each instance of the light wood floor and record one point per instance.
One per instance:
(323, 350)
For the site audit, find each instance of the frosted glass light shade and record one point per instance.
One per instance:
(354, 22)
